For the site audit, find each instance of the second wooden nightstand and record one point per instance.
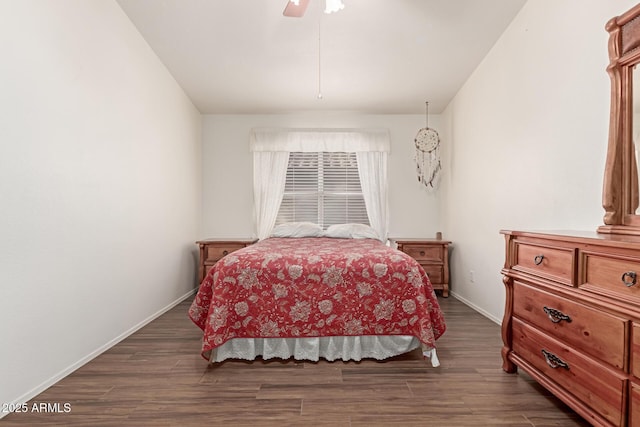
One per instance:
(433, 256)
(212, 250)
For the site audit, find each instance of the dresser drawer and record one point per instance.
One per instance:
(597, 386)
(216, 252)
(435, 272)
(423, 252)
(607, 274)
(552, 262)
(635, 352)
(634, 411)
(596, 332)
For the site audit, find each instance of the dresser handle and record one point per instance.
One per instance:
(554, 361)
(225, 252)
(631, 275)
(556, 316)
(538, 259)
(421, 253)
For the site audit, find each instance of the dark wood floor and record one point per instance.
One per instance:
(156, 377)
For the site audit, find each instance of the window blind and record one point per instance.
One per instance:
(323, 188)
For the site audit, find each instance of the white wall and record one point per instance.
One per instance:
(228, 170)
(528, 134)
(100, 187)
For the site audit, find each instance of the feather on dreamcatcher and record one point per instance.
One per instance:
(427, 155)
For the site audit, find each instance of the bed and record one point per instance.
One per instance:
(317, 297)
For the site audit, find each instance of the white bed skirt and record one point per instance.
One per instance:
(329, 348)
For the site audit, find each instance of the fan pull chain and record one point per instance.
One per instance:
(427, 113)
(319, 65)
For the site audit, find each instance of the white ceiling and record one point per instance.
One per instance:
(376, 56)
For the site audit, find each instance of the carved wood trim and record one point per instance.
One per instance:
(612, 187)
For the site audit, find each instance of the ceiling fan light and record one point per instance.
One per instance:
(333, 6)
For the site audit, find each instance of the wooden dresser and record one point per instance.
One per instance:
(433, 256)
(572, 319)
(212, 250)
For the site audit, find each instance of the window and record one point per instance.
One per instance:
(323, 188)
(321, 156)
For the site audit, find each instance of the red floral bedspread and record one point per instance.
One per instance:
(310, 287)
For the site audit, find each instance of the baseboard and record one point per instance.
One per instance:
(51, 381)
(476, 308)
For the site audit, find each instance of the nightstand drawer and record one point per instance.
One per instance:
(433, 256)
(206, 268)
(435, 272)
(212, 250)
(216, 252)
(552, 262)
(423, 252)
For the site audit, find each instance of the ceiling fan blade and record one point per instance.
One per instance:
(295, 11)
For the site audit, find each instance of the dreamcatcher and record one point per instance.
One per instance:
(427, 155)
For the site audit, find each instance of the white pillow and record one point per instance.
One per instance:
(297, 229)
(351, 231)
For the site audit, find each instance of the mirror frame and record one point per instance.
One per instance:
(620, 187)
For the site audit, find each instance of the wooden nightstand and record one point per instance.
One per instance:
(212, 250)
(433, 256)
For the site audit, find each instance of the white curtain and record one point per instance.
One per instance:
(316, 140)
(271, 148)
(269, 175)
(372, 169)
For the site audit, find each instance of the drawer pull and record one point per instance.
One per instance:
(225, 252)
(421, 253)
(554, 361)
(629, 275)
(556, 316)
(538, 259)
